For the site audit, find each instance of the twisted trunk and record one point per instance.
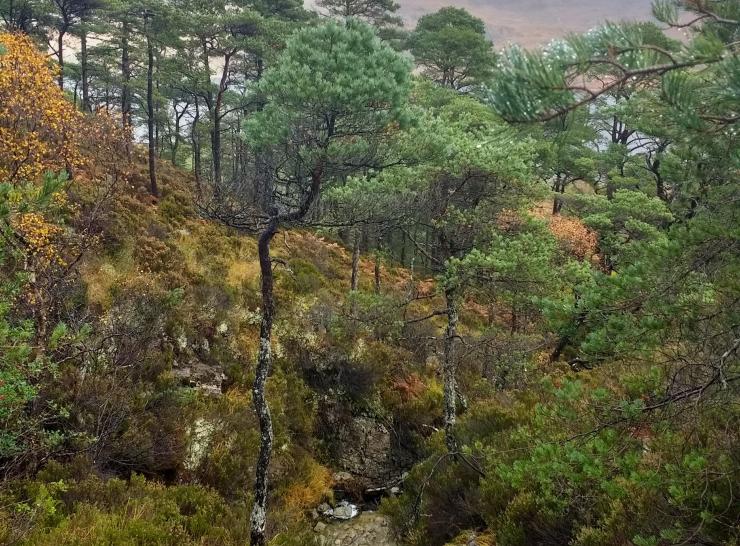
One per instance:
(264, 363)
(264, 359)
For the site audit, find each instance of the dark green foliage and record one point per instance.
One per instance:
(379, 13)
(452, 47)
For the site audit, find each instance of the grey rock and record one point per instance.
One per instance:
(345, 511)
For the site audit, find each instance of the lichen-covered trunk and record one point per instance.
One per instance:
(264, 362)
(449, 372)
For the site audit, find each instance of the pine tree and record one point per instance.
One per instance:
(452, 48)
(379, 13)
(330, 101)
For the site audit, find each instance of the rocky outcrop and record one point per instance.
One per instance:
(364, 452)
(194, 373)
(193, 365)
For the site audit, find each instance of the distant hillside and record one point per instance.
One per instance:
(533, 22)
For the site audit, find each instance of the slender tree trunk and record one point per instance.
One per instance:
(178, 132)
(449, 372)
(175, 144)
(86, 106)
(404, 244)
(208, 96)
(60, 56)
(264, 363)
(264, 359)
(355, 283)
(125, 76)
(216, 122)
(377, 271)
(216, 149)
(151, 118)
(196, 146)
(355, 262)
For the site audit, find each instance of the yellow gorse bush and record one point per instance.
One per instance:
(39, 128)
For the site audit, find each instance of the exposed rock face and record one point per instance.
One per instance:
(364, 450)
(194, 366)
(199, 441)
(365, 455)
(194, 373)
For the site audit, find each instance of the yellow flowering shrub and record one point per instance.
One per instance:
(40, 237)
(39, 128)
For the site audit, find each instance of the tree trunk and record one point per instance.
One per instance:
(404, 244)
(125, 76)
(176, 143)
(660, 190)
(559, 188)
(196, 146)
(264, 363)
(60, 56)
(264, 359)
(355, 262)
(150, 118)
(449, 372)
(216, 121)
(86, 106)
(216, 149)
(377, 271)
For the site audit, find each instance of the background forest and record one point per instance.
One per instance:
(257, 262)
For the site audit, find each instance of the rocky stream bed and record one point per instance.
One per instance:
(367, 529)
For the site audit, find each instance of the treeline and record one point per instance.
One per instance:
(182, 72)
